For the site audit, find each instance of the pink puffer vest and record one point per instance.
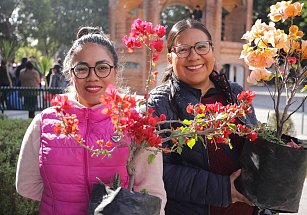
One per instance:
(68, 170)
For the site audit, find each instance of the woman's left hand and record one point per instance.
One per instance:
(236, 196)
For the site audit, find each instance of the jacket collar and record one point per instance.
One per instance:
(220, 81)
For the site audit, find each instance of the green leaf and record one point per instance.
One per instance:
(181, 140)
(232, 126)
(191, 143)
(179, 150)
(200, 116)
(187, 122)
(150, 158)
(304, 89)
(221, 116)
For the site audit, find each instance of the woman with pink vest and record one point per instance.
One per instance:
(57, 171)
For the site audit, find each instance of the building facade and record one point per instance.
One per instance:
(227, 21)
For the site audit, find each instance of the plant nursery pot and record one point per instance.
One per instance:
(122, 202)
(272, 175)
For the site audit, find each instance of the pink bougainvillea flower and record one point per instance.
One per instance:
(160, 30)
(157, 44)
(62, 102)
(155, 57)
(292, 144)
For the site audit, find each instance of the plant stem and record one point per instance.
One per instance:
(134, 151)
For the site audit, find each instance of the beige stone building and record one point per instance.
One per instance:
(227, 20)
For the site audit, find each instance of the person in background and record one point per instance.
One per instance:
(37, 67)
(5, 81)
(57, 79)
(199, 181)
(29, 77)
(18, 69)
(58, 172)
(11, 67)
(197, 13)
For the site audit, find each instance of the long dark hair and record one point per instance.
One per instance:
(175, 31)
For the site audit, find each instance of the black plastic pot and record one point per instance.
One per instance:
(272, 175)
(123, 202)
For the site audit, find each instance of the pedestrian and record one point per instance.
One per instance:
(5, 81)
(18, 69)
(57, 171)
(197, 13)
(199, 181)
(29, 77)
(56, 78)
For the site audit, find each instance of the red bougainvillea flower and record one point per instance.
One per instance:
(157, 44)
(292, 60)
(253, 136)
(246, 96)
(160, 30)
(155, 57)
(61, 102)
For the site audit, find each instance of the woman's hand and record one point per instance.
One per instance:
(235, 195)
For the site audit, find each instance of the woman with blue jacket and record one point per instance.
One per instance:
(199, 181)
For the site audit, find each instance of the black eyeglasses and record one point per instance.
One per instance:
(201, 48)
(82, 71)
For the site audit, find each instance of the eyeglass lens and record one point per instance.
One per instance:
(201, 48)
(102, 70)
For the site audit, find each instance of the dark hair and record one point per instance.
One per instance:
(184, 25)
(3, 62)
(173, 34)
(87, 35)
(29, 65)
(57, 67)
(24, 60)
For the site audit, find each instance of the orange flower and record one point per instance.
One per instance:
(259, 58)
(295, 33)
(108, 144)
(284, 9)
(294, 9)
(258, 75)
(304, 49)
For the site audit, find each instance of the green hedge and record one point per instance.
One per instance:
(11, 134)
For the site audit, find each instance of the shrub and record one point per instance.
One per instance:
(11, 134)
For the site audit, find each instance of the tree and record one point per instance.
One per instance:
(7, 25)
(172, 14)
(50, 24)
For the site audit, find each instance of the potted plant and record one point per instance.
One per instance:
(139, 130)
(272, 173)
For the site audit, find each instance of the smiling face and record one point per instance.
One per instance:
(193, 69)
(90, 89)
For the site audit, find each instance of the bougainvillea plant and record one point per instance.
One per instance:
(275, 53)
(136, 125)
